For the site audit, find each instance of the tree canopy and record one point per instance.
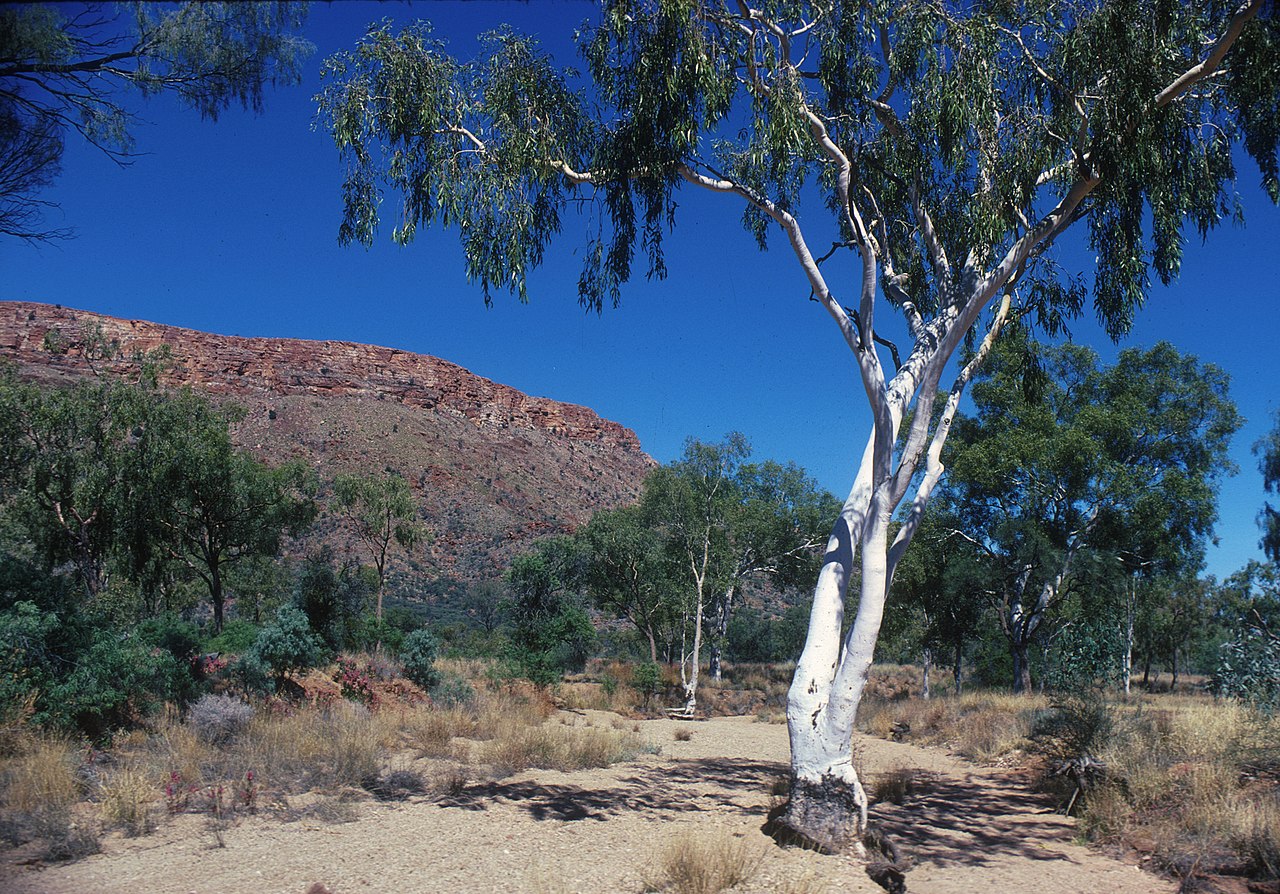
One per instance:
(68, 68)
(1062, 458)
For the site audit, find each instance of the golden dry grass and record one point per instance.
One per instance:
(41, 776)
(129, 800)
(560, 748)
(981, 726)
(703, 864)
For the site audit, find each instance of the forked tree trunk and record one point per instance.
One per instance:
(1021, 653)
(828, 805)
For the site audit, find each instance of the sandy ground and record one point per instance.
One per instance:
(967, 829)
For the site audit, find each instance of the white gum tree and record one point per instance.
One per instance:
(937, 152)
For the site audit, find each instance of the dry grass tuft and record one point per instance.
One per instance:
(450, 781)
(1254, 834)
(894, 786)
(560, 748)
(40, 777)
(432, 731)
(703, 864)
(684, 735)
(128, 796)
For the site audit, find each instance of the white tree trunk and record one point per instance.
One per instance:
(1130, 617)
(927, 659)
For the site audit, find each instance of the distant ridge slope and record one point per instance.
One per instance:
(493, 468)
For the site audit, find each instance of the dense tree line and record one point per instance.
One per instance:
(135, 537)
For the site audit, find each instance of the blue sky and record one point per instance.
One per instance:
(231, 228)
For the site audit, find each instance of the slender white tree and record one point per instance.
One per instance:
(949, 147)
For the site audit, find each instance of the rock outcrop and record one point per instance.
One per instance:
(494, 468)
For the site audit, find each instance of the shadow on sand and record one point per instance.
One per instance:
(951, 821)
(947, 821)
(683, 786)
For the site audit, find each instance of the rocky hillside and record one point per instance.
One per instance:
(493, 468)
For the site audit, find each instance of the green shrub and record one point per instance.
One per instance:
(252, 674)
(236, 638)
(452, 691)
(285, 645)
(177, 637)
(117, 682)
(26, 662)
(647, 679)
(418, 655)
(556, 645)
(1249, 669)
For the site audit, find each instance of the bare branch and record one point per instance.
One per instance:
(1243, 14)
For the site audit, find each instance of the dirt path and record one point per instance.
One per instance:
(968, 830)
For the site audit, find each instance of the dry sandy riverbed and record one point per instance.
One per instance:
(967, 829)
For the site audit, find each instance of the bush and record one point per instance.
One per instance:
(1077, 725)
(1249, 669)
(253, 675)
(288, 644)
(117, 683)
(647, 679)
(219, 719)
(418, 655)
(237, 637)
(177, 637)
(452, 691)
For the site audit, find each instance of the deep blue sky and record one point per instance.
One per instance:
(231, 228)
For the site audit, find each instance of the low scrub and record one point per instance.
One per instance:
(703, 864)
(983, 727)
(560, 748)
(224, 757)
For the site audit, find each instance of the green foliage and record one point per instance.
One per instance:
(1086, 653)
(116, 683)
(995, 112)
(1268, 451)
(1249, 664)
(1066, 467)
(383, 511)
(236, 638)
(286, 645)
(333, 599)
(28, 655)
(418, 654)
(179, 638)
(213, 505)
(61, 73)
(754, 637)
(646, 678)
(550, 634)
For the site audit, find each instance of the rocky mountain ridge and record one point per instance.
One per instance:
(494, 468)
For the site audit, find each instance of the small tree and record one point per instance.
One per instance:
(418, 654)
(550, 634)
(216, 506)
(628, 574)
(286, 645)
(382, 511)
